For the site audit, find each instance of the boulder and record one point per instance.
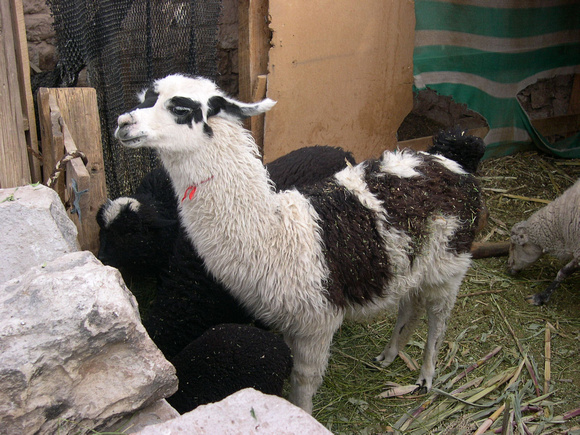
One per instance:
(35, 229)
(74, 356)
(159, 412)
(246, 412)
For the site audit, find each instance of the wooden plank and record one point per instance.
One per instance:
(558, 124)
(574, 105)
(23, 68)
(423, 143)
(52, 139)
(77, 194)
(14, 166)
(339, 74)
(73, 122)
(79, 110)
(253, 46)
(257, 122)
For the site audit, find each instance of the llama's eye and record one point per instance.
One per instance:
(180, 110)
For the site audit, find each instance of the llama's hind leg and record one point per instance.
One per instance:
(310, 356)
(439, 306)
(410, 312)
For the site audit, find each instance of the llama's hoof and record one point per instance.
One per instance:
(383, 361)
(421, 388)
(537, 299)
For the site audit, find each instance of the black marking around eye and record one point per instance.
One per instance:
(149, 100)
(216, 104)
(193, 115)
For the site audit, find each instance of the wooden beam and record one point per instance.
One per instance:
(557, 124)
(423, 143)
(257, 122)
(69, 121)
(78, 195)
(23, 69)
(254, 43)
(14, 165)
(52, 140)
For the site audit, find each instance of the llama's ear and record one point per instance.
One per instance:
(229, 108)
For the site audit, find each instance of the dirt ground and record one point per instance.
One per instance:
(490, 311)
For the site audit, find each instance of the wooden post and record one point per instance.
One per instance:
(52, 140)
(253, 46)
(69, 122)
(23, 68)
(14, 165)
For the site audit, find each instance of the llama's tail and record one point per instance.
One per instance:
(457, 145)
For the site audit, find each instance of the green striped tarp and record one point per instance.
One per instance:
(483, 52)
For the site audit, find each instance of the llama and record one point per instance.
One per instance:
(138, 233)
(386, 233)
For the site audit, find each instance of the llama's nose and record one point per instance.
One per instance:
(125, 119)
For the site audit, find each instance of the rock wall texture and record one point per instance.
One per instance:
(39, 229)
(74, 355)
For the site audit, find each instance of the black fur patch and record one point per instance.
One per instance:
(149, 101)
(455, 144)
(217, 104)
(185, 110)
(411, 202)
(359, 267)
(353, 248)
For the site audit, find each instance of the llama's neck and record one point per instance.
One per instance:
(248, 236)
(227, 202)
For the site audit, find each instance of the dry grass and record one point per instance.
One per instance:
(490, 312)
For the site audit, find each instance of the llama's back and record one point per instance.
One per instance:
(394, 224)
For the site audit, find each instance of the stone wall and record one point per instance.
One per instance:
(40, 35)
(42, 39)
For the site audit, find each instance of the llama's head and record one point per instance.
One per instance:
(173, 114)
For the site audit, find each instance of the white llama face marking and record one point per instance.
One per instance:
(174, 111)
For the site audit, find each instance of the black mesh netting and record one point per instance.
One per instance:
(125, 44)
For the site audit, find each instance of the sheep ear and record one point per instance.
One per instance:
(229, 108)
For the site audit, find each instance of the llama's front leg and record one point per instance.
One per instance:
(310, 357)
(438, 311)
(410, 311)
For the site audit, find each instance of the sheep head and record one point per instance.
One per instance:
(173, 114)
(523, 252)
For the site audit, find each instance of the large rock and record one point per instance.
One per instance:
(246, 412)
(73, 353)
(159, 412)
(35, 229)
